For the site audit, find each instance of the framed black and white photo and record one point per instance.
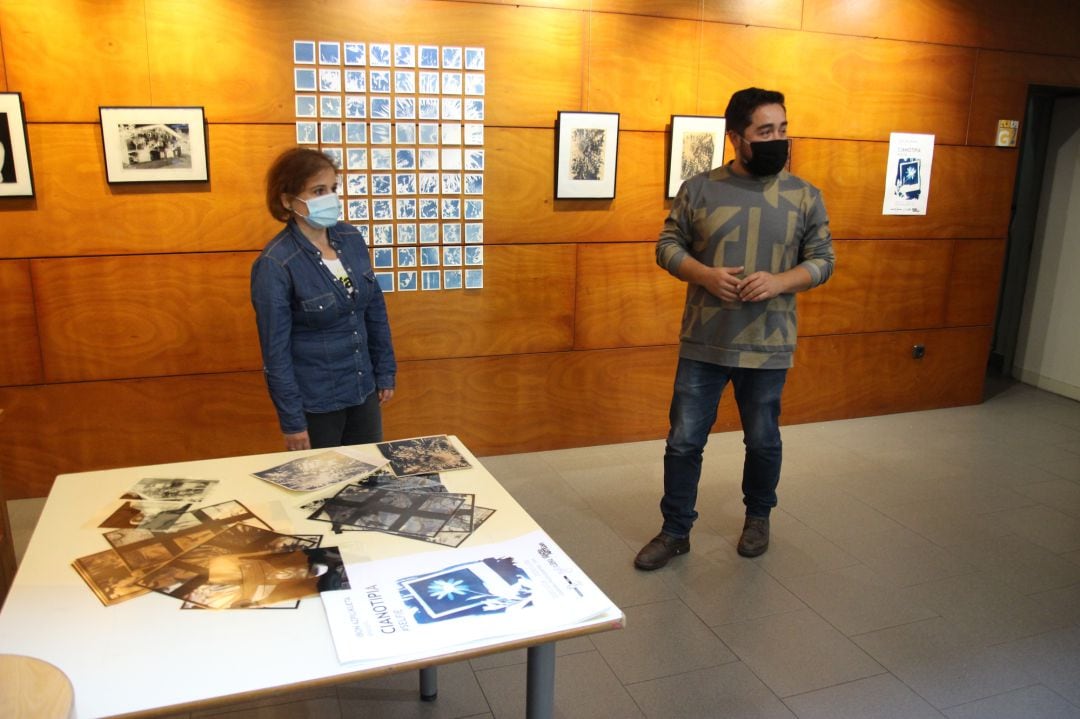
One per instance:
(697, 145)
(587, 150)
(154, 144)
(16, 177)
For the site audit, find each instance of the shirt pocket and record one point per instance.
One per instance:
(319, 312)
(365, 288)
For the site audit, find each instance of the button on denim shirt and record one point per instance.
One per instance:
(323, 350)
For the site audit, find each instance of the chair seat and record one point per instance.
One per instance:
(34, 689)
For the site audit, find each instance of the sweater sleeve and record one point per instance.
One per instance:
(815, 248)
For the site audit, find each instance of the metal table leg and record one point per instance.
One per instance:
(540, 686)
(429, 684)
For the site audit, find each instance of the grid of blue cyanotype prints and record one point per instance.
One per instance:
(406, 125)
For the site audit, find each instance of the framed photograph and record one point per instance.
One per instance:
(697, 145)
(17, 179)
(586, 154)
(155, 144)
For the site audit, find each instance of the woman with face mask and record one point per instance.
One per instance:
(323, 329)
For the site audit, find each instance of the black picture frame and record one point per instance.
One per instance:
(586, 155)
(16, 172)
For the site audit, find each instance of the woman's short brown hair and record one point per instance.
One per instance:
(288, 175)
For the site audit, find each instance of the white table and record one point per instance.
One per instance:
(147, 653)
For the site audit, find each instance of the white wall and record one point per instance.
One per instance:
(1048, 351)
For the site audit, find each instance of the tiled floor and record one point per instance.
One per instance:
(922, 565)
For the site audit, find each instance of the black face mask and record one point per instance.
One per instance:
(769, 157)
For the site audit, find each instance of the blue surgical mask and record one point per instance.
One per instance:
(323, 211)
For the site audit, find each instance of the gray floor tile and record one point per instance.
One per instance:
(1052, 659)
(1042, 525)
(576, 645)
(984, 609)
(397, 696)
(1023, 566)
(881, 697)
(795, 549)
(585, 688)
(945, 523)
(797, 652)
(855, 600)
(723, 591)
(902, 558)
(1061, 494)
(942, 666)
(730, 690)
(660, 640)
(1036, 702)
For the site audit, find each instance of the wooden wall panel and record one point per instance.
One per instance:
(527, 305)
(842, 87)
(71, 56)
(624, 395)
(1001, 87)
(976, 23)
(77, 213)
(974, 282)
(533, 55)
(59, 428)
(483, 400)
(768, 13)
(879, 286)
(624, 299)
(521, 207)
(20, 358)
(841, 376)
(970, 190)
(653, 60)
(145, 316)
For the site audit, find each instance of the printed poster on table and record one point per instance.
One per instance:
(412, 606)
(907, 174)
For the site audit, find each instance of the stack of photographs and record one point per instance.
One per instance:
(221, 556)
(407, 498)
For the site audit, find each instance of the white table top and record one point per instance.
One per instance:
(147, 653)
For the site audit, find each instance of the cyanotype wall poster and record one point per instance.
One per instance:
(907, 174)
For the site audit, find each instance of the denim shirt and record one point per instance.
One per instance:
(322, 348)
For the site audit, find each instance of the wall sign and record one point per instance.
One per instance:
(907, 174)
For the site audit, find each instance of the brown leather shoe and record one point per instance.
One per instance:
(660, 550)
(755, 537)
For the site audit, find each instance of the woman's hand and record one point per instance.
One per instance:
(385, 394)
(297, 440)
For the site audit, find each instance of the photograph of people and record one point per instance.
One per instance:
(745, 237)
(323, 327)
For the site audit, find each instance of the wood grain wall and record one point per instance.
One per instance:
(126, 332)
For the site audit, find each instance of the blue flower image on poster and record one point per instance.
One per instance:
(909, 178)
(493, 585)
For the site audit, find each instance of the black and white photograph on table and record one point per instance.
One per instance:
(697, 145)
(321, 470)
(586, 153)
(422, 455)
(170, 489)
(154, 144)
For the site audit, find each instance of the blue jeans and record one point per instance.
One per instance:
(698, 386)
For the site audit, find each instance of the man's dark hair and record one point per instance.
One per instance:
(741, 106)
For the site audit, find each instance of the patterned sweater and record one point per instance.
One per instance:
(722, 219)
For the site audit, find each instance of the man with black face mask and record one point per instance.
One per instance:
(745, 238)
